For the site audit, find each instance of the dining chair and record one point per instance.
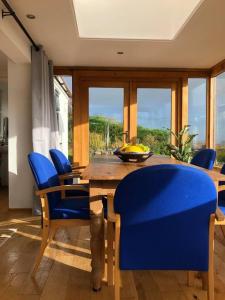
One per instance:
(66, 171)
(162, 218)
(56, 211)
(62, 163)
(221, 198)
(204, 158)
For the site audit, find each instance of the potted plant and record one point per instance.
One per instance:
(182, 150)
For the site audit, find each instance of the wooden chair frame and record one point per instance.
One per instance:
(113, 236)
(220, 218)
(50, 226)
(81, 183)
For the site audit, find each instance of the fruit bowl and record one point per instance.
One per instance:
(132, 156)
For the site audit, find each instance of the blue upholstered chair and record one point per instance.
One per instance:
(56, 211)
(221, 194)
(164, 220)
(204, 158)
(62, 163)
(66, 171)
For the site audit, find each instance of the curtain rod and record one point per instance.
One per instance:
(12, 13)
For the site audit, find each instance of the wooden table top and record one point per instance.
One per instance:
(112, 168)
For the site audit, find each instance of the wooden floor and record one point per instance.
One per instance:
(65, 270)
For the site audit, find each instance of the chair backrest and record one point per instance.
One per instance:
(165, 211)
(204, 158)
(61, 163)
(45, 176)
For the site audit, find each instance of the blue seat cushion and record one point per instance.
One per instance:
(77, 208)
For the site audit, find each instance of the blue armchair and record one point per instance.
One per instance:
(62, 163)
(66, 171)
(163, 217)
(56, 211)
(204, 158)
(221, 194)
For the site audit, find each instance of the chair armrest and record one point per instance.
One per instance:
(221, 188)
(112, 216)
(219, 217)
(76, 167)
(72, 187)
(69, 176)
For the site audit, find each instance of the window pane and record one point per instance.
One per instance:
(105, 119)
(220, 118)
(197, 110)
(154, 118)
(63, 104)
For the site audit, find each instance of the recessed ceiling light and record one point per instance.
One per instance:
(120, 52)
(30, 16)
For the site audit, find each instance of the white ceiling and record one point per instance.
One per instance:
(133, 19)
(200, 43)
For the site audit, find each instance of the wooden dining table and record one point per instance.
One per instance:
(104, 174)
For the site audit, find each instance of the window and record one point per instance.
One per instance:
(63, 106)
(197, 111)
(105, 119)
(154, 118)
(220, 118)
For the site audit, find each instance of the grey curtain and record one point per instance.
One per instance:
(44, 132)
(44, 119)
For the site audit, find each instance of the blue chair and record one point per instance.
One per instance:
(163, 217)
(221, 193)
(56, 211)
(66, 171)
(62, 163)
(204, 158)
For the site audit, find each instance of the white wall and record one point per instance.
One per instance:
(20, 131)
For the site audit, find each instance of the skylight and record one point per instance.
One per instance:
(133, 19)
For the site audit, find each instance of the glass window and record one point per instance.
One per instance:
(220, 118)
(154, 118)
(63, 104)
(197, 110)
(105, 119)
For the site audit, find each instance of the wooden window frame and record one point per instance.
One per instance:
(174, 103)
(84, 77)
(81, 120)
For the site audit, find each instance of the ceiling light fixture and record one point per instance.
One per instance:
(30, 16)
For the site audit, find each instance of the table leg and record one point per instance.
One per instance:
(97, 248)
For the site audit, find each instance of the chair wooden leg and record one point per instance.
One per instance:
(204, 276)
(117, 282)
(210, 285)
(110, 252)
(211, 259)
(117, 265)
(44, 243)
(223, 230)
(52, 233)
(190, 278)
